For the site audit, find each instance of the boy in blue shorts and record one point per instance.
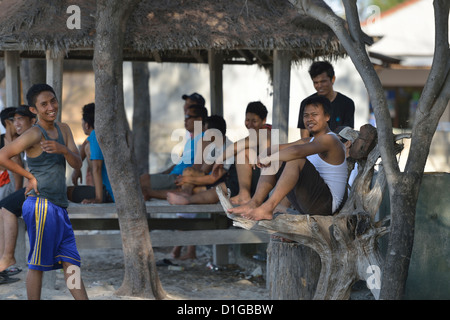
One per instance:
(48, 145)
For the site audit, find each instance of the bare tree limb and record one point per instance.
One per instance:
(435, 95)
(353, 20)
(440, 58)
(360, 59)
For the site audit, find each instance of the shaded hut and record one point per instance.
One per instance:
(269, 33)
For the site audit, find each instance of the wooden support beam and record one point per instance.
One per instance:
(55, 75)
(156, 56)
(167, 238)
(12, 75)
(197, 55)
(281, 92)
(215, 60)
(245, 54)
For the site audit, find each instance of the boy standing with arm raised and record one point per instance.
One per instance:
(48, 146)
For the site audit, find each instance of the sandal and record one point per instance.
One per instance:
(11, 271)
(165, 262)
(6, 279)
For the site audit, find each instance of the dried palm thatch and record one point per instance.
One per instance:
(245, 31)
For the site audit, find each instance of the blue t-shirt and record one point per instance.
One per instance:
(188, 156)
(96, 154)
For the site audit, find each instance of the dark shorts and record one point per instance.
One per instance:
(232, 182)
(80, 193)
(162, 181)
(311, 195)
(14, 202)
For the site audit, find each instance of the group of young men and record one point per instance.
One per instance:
(312, 172)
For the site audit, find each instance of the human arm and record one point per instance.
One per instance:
(98, 182)
(300, 149)
(203, 180)
(69, 150)
(76, 174)
(199, 158)
(18, 179)
(25, 142)
(304, 133)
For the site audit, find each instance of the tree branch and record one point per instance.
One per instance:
(351, 13)
(359, 57)
(441, 56)
(435, 95)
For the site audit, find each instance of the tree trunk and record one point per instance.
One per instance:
(404, 195)
(293, 270)
(141, 115)
(32, 71)
(432, 104)
(116, 141)
(2, 69)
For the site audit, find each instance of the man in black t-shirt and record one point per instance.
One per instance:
(342, 107)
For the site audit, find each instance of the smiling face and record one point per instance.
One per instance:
(22, 123)
(46, 106)
(324, 85)
(253, 121)
(315, 119)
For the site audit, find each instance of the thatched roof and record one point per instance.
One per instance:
(246, 31)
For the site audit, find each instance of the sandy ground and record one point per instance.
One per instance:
(102, 272)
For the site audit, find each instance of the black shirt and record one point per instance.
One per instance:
(342, 112)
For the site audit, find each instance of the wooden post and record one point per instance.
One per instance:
(281, 91)
(215, 60)
(12, 75)
(55, 75)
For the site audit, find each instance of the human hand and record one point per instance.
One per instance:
(31, 185)
(263, 161)
(217, 169)
(76, 174)
(87, 201)
(51, 146)
(180, 180)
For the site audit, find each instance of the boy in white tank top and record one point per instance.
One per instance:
(313, 175)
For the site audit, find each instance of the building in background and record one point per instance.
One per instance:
(403, 56)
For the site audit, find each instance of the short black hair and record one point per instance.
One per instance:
(89, 114)
(217, 122)
(320, 67)
(319, 100)
(200, 111)
(35, 90)
(257, 108)
(5, 114)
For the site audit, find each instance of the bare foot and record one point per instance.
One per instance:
(6, 262)
(177, 198)
(243, 208)
(240, 199)
(190, 254)
(176, 252)
(259, 213)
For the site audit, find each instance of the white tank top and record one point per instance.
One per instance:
(335, 176)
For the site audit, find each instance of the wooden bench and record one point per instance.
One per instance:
(210, 227)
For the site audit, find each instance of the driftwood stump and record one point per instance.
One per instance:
(346, 244)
